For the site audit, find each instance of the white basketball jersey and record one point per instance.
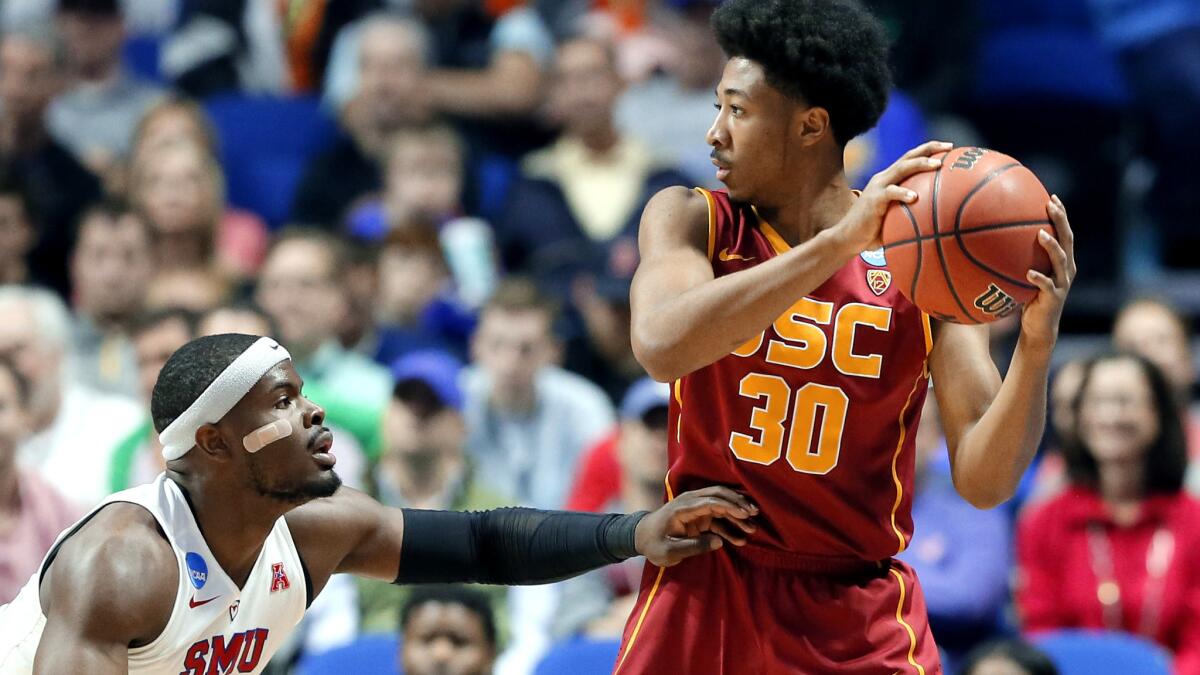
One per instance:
(214, 628)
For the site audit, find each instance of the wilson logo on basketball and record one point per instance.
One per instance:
(968, 158)
(995, 302)
(879, 281)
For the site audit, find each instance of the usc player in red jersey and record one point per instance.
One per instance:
(799, 371)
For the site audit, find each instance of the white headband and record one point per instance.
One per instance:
(219, 398)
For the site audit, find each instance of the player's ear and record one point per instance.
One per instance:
(211, 442)
(811, 124)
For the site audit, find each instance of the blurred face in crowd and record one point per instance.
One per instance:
(177, 188)
(153, 346)
(298, 288)
(16, 232)
(111, 266)
(197, 290)
(446, 639)
(28, 79)
(699, 59)
(409, 279)
(424, 174)
(37, 358)
(13, 423)
(1117, 417)
(512, 347)
(234, 320)
(642, 449)
(1063, 391)
(410, 438)
(93, 41)
(391, 70)
(1155, 332)
(171, 123)
(585, 88)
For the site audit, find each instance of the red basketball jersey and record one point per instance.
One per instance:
(815, 419)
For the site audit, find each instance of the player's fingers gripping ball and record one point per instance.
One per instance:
(962, 252)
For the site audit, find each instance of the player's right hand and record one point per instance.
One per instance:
(862, 226)
(693, 523)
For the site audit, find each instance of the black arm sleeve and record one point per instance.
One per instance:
(511, 546)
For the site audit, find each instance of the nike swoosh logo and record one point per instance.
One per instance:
(726, 256)
(192, 604)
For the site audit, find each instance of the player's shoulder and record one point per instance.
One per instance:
(325, 530)
(119, 568)
(676, 213)
(678, 203)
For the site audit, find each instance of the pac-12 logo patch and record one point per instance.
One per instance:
(197, 569)
(874, 257)
(879, 281)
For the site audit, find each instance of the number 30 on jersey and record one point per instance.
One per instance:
(804, 345)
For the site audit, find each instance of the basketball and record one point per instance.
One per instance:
(962, 251)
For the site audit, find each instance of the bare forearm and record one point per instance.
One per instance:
(993, 456)
(676, 336)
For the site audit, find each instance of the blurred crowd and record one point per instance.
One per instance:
(434, 205)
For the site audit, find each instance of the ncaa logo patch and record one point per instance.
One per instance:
(197, 569)
(879, 281)
(874, 257)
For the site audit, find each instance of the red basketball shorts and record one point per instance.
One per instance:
(723, 614)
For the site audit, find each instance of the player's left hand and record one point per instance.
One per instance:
(693, 523)
(1039, 322)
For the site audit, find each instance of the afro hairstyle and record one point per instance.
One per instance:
(831, 54)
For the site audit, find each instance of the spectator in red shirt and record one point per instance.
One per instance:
(1120, 548)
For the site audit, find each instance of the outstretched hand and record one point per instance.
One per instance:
(694, 523)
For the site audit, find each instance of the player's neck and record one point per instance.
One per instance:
(234, 521)
(811, 205)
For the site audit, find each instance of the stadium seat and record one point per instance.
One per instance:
(580, 657)
(1046, 50)
(1078, 652)
(266, 144)
(140, 55)
(368, 655)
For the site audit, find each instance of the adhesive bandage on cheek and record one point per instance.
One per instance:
(265, 435)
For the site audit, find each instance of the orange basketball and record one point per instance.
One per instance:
(961, 252)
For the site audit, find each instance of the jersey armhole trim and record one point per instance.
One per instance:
(52, 554)
(308, 586)
(928, 333)
(712, 220)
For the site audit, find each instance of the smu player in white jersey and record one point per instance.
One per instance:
(209, 568)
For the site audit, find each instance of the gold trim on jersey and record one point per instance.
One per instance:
(928, 333)
(777, 241)
(712, 220)
(912, 636)
(653, 589)
(679, 418)
(896, 458)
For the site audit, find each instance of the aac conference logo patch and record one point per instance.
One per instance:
(197, 569)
